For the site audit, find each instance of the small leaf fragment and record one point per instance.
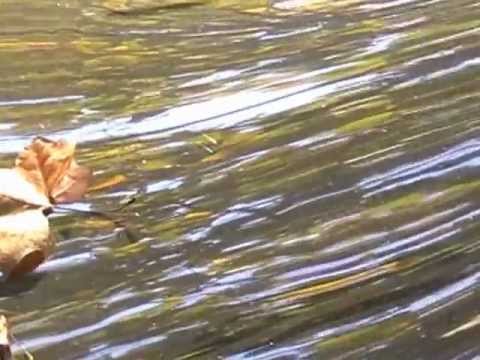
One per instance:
(110, 182)
(5, 351)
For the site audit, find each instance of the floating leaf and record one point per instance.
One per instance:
(25, 241)
(16, 190)
(45, 173)
(51, 168)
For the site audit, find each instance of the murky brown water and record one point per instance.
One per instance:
(308, 177)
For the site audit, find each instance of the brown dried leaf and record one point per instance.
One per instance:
(50, 167)
(16, 192)
(45, 173)
(24, 247)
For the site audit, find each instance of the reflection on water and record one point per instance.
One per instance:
(307, 173)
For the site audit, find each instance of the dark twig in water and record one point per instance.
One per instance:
(110, 215)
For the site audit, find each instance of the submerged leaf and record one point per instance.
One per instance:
(110, 182)
(146, 6)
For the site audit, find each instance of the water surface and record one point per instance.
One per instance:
(307, 177)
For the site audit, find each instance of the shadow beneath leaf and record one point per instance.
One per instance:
(17, 286)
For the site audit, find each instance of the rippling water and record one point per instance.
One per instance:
(307, 175)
